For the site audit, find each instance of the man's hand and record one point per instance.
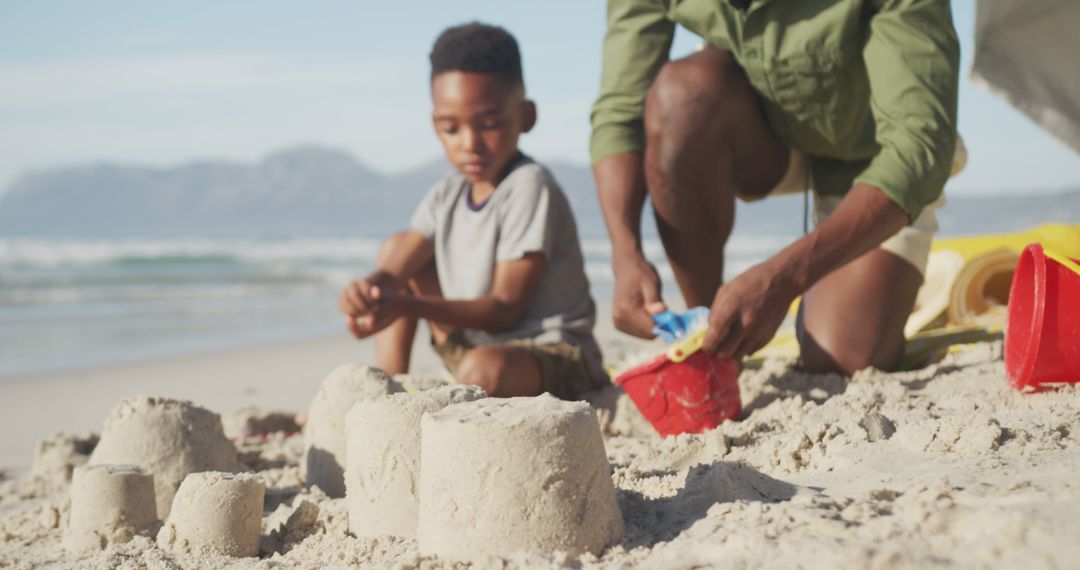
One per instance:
(747, 311)
(620, 184)
(637, 296)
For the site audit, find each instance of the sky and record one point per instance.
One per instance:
(163, 83)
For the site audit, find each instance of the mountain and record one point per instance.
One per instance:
(301, 191)
(320, 191)
(307, 190)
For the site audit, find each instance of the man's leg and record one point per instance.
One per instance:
(707, 138)
(855, 316)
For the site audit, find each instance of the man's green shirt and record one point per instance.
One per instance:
(867, 88)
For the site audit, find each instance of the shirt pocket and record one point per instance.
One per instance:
(814, 89)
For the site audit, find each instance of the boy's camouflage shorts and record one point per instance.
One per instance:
(563, 371)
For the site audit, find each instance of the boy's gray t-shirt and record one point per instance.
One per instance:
(528, 212)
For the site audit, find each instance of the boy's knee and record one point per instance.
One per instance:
(483, 367)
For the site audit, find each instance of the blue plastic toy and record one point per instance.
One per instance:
(672, 327)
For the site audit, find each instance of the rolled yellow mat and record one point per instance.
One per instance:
(980, 294)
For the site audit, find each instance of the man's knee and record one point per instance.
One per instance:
(833, 351)
(696, 85)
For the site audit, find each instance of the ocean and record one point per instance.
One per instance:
(68, 304)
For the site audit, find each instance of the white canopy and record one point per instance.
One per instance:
(1028, 53)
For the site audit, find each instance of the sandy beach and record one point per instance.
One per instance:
(279, 376)
(945, 466)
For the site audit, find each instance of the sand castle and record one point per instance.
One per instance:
(503, 475)
(110, 504)
(383, 458)
(324, 434)
(465, 475)
(216, 512)
(169, 439)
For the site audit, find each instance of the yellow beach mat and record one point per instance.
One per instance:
(968, 279)
(931, 345)
(921, 349)
(1062, 238)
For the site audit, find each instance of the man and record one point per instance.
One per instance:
(854, 98)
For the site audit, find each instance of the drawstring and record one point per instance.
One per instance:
(805, 211)
(806, 202)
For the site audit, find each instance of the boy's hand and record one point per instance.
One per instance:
(747, 311)
(386, 311)
(637, 297)
(364, 303)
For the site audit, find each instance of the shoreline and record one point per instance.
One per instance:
(281, 375)
(186, 350)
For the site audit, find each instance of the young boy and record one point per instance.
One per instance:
(491, 259)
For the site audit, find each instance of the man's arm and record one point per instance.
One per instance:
(912, 61)
(513, 284)
(620, 182)
(748, 309)
(636, 45)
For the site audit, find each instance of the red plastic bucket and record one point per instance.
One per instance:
(1042, 334)
(691, 396)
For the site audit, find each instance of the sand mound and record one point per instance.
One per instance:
(110, 504)
(167, 438)
(503, 475)
(58, 456)
(217, 513)
(383, 437)
(324, 434)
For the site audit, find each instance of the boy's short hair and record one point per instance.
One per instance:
(477, 48)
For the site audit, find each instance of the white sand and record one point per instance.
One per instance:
(970, 474)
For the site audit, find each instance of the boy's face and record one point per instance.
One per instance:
(478, 118)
